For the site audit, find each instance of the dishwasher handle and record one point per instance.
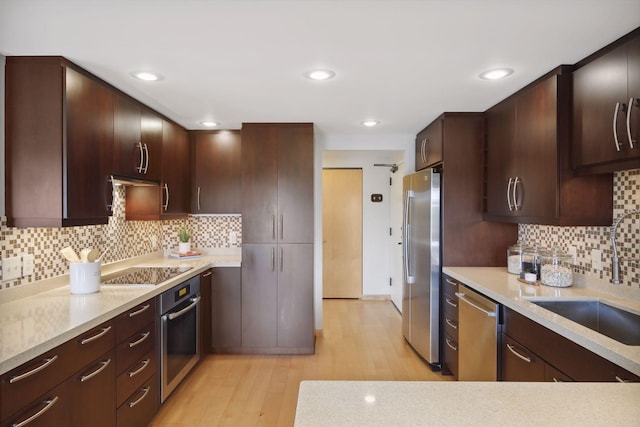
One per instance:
(462, 297)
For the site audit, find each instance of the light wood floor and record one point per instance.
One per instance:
(362, 340)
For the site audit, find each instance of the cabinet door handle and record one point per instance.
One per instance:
(450, 344)
(142, 310)
(462, 297)
(139, 341)
(46, 363)
(423, 150)
(48, 404)
(146, 158)
(103, 366)
(451, 303)
(619, 107)
(141, 165)
(281, 227)
(166, 192)
(281, 259)
(273, 259)
(512, 350)
(516, 205)
(509, 194)
(273, 226)
(100, 334)
(198, 198)
(145, 363)
(145, 391)
(631, 102)
(451, 323)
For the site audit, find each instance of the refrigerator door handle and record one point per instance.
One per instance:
(407, 268)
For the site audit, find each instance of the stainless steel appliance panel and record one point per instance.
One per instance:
(422, 263)
(478, 330)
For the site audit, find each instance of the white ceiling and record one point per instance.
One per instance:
(399, 62)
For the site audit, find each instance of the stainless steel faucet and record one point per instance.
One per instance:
(615, 261)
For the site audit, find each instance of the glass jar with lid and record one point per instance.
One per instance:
(531, 260)
(556, 269)
(514, 257)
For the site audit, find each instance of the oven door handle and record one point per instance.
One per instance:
(194, 302)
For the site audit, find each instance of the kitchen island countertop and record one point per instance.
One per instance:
(447, 403)
(41, 316)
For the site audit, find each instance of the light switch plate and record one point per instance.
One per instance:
(28, 264)
(11, 268)
(596, 259)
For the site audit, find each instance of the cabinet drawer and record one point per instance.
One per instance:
(134, 347)
(450, 354)
(49, 410)
(519, 363)
(450, 325)
(33, 378)
(92, 344)
(134, 319)
(135, 376)
(450, 307)
(551, 374)
(140, 408)
(449, 286)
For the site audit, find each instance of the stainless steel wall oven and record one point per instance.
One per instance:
(179, 333)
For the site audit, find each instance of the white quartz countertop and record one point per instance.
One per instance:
(505, 288)
(40, 317)
(448, 403)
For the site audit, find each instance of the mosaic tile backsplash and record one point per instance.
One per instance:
(124, 239)
(626, 197)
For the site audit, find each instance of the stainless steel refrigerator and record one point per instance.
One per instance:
(421, 258)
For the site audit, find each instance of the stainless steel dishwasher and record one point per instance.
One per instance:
(478, 331)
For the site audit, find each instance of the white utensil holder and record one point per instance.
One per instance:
(84, 277)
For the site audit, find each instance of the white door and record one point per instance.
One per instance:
(395, 240)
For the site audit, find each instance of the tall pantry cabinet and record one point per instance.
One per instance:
(277, 238)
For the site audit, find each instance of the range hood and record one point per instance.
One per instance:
(137, 182)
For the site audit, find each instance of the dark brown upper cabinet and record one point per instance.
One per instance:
(606, 109)
(59, 142)
(216, 172)
(169, 200)
(529, 178)
(429, 146)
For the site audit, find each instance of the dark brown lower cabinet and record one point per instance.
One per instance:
(92, 394)
(226, 310)
(141, 406)
(49, 410)
(552, 356)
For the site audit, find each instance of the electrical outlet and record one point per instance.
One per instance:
(154, 242)
(28, 264)
(573, 251)
(596, 259)
(233, 237)
(11, 268)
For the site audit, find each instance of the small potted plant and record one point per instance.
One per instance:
(184, 235)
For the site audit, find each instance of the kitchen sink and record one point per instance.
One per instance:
(621, 325)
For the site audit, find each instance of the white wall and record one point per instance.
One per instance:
(403, 143)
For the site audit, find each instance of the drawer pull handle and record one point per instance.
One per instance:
(46, 363)
(450, 344)
(557, 380)
(142, 310)
(451, 282)
(144, 337)
(100, 334)
(451, 323)
(49, 404)
(451, 303)
(103, 366)
(512, 350)
(145, 363)
(622, 380)
(145, 391)
(207, 274)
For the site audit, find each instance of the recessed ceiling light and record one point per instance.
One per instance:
(146, 76)
(320, 74)
(370, 123)
(496, 73)
(209, 123)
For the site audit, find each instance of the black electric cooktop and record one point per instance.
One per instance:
(143, 275)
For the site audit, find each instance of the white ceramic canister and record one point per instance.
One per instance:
(84, 277)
